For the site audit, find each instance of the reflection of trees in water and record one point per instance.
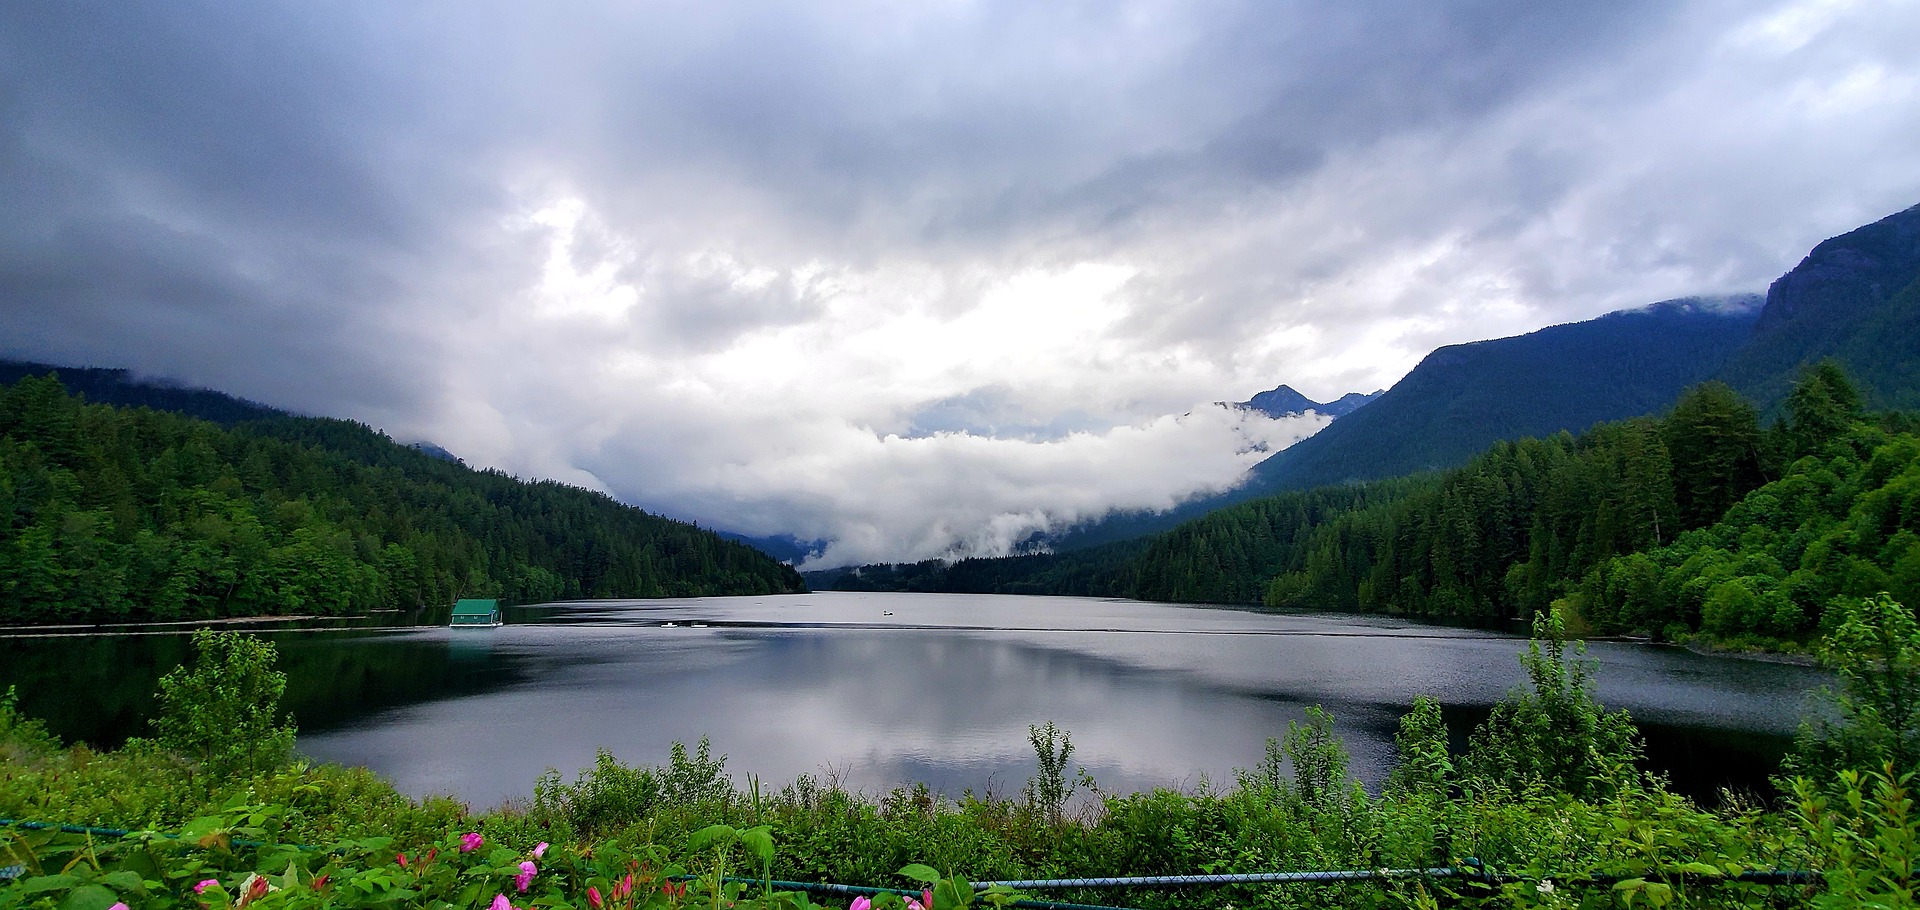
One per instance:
(331, 682)
(95, 689)
(99, 689)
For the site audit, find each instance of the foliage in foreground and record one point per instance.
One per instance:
(1590, 831)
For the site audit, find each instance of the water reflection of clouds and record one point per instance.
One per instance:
(953, 710)
(951, 707)
(889, 704)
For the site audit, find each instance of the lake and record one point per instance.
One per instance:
(882, 690)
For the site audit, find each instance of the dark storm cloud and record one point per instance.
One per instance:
(1308, 83)
(220, 193)
(984, 120)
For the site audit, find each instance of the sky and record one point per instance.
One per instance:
(915, 279)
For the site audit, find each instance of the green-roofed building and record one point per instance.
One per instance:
(475, 613)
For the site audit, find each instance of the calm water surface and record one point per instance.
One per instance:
(885, 689)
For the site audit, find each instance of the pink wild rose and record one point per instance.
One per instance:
(201, 886)
(525, 879)
(471, 841)
(500, 902)
(593, 897)
(861, 903)
(540, 851)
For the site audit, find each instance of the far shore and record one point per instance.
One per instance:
(179, 626)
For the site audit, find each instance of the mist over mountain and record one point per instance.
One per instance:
(1352, 519)
(782, 547)
(1463, 398)
(1855, 298)
(128, 389)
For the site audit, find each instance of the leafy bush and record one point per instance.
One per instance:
(1425, 767)
(1553, 735)
(1869, 843)
(1049, 789)
(224, 713)
(1875, 650)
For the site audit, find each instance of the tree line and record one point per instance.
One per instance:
(111, 513)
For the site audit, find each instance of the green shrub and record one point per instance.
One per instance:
(1868, 841)
(224, 713)
(1876, 652)
(1553, 735)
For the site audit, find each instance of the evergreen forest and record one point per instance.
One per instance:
(131, 514)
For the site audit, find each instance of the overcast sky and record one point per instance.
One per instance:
(918, 278)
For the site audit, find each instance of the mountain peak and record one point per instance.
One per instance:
(1284, 401)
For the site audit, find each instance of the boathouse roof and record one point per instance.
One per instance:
(475, 607)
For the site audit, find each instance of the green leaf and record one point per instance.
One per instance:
(953, 892)
(201, 827)
(89, 897)
(920, 872)
(759, 842)
(41, 883)
(701, 839)
(124, 880)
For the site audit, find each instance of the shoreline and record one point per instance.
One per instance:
(182, 626)
(1765, 657)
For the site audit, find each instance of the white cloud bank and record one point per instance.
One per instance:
(816, 427)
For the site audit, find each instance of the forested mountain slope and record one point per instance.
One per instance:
(1856, 299)
(111, 513)
(1463, 398)
(121, 387)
